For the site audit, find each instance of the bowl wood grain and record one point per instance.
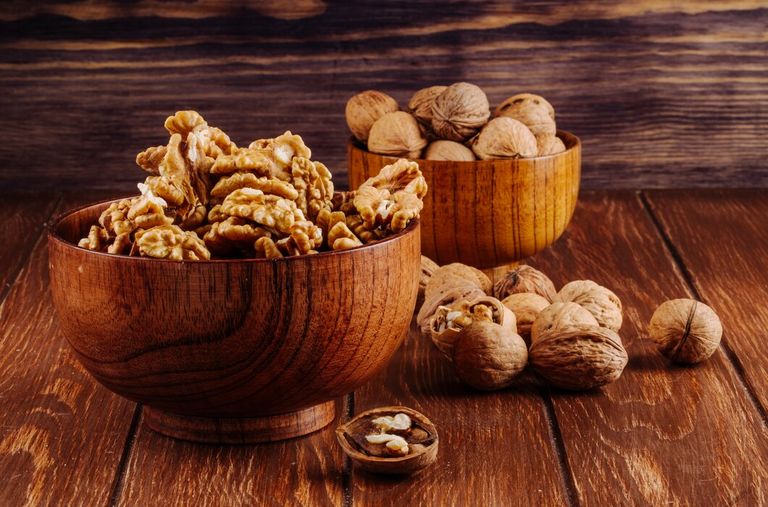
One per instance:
(489, 213)
(233, 350)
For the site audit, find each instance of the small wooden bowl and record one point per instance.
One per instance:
(488, 213)
(233, 351)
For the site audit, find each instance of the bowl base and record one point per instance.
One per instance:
(246, 430)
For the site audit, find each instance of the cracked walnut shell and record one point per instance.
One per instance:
(578, 357)
(447, 322)
(503, 138)
(398, 135)
(459, 112)
(686, 331)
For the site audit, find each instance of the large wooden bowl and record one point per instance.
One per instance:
(489, 213)
(233, 350)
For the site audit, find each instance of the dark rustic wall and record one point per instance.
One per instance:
(662, 93)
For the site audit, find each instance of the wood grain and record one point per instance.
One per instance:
(278, 336)
(660, 434)
(720, 238)
(661, 93)
(62, 435)
(495, 448)
(488, 213)
(303, 471)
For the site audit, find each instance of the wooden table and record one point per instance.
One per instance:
(660, 435)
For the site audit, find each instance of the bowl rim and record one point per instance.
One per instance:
(54, 236)
(354, 143)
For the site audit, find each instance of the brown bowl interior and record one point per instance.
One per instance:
(489, 212)
(232, 338)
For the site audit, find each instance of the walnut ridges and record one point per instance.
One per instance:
(525, 279)
(488, 357)
(561, 316)
(686, 331)
(205, 197)
(600, 301)
(455, 119)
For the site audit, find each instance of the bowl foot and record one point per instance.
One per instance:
(246, 430)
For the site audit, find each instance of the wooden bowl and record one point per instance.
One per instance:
(489, 213)
(233, 351)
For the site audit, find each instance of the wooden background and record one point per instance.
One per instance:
(663, 94)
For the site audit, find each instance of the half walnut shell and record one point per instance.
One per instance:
(421, 438)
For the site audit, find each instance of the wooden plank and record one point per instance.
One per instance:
(22, 218)
(638, 81)
(495, 448)
(661, 434)
(306, 471)
(62, 435)
(720, 237)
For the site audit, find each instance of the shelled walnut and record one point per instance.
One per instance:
(389, 440)
(686, 331)
(260, 201)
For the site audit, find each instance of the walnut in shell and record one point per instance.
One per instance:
(448, 150)
(549, 145)
(578, 357)
(389, 440)
(398, 135)
(523, 100)
(599, 301)
(534, 116)
(524, 279)
(365, 108)
(459, 112)
(561, 316)
(686, 331)
(487, 356)
(450, 276)
(420, 105)
(504, 138)
(526, 306)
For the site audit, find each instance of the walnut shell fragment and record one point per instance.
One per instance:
(686, 331)
(365, 440)
(578, 358)
(525, 279)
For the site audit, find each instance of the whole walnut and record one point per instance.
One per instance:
(448, 150)
(578, 357)
(488, 357)
(524, 279)
(420, 105)
(452, 275)
(459, 112)
(561, 316)
(533, 116)
(549, 145)
(398, 135)
(686, 331)
(365, 108)
(599, 301)
(503, 138)
(524, 100)
(526, 306)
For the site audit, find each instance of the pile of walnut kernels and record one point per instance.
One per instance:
(206, 197)
(454, 123)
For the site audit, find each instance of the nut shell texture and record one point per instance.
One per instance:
(459, 112)
(524, 100)
(448, 150)
(578, 358)
(365, 108)
(396, 134)
(488, 357)
(599, 301)
(524, 279)
(686, 331)
(504, 138)
(561, 316)
(421, 102)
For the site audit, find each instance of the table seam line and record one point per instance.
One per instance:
(118, 484)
